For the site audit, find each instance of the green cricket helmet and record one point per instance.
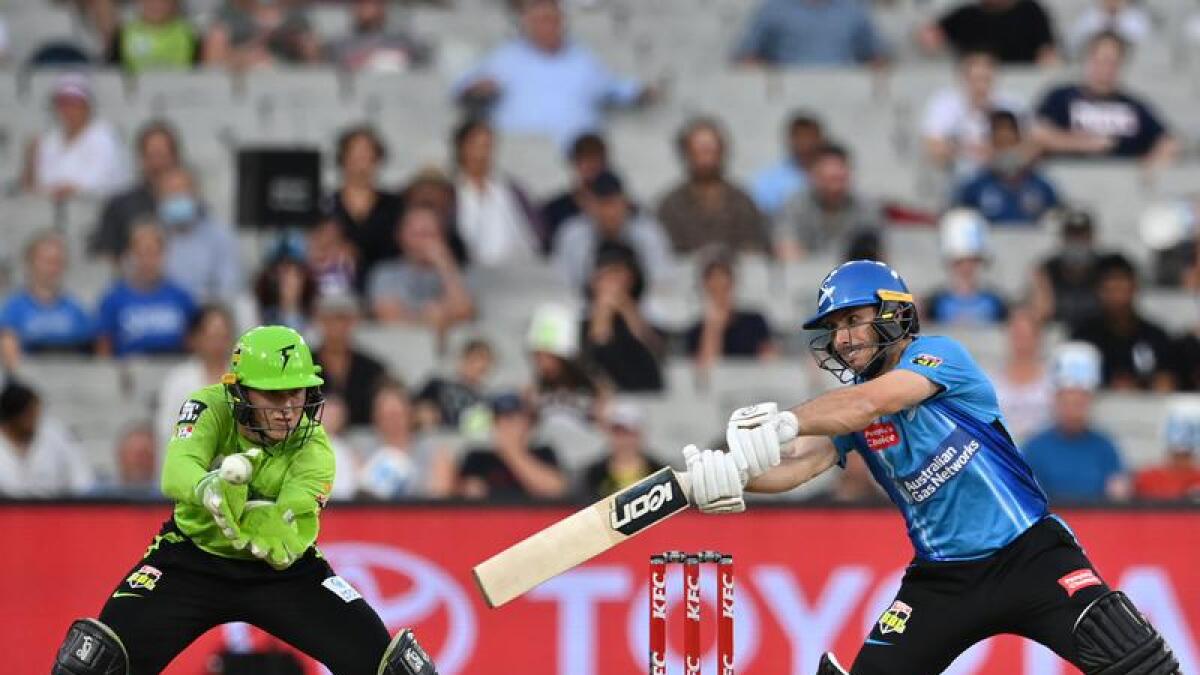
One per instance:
(273, 358)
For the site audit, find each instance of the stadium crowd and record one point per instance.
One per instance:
(416, 255)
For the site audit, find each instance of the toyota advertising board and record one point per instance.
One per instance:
(807, 580)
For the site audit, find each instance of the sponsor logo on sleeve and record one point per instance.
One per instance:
(185, 431)
(895, 619)
(1073, 582)
(927, 360)
(646, 503)
(190, 411)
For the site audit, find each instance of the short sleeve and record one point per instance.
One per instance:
(844, 445)
(1150, 127)
(106, 317)
(940, 116)
(943, 362)
(546, 455)
(8, 314)
(1053, 108)
(1109, 459)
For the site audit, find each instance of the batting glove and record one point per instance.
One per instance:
(755, 434)
(716, 481)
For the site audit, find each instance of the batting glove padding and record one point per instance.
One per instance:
(716, 481)
(755, 434)
(224, 501)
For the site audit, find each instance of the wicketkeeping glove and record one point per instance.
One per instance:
(224, 500)
(717, 483)
(755, 433)
(272, 535)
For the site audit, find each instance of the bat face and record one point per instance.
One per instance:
(582, 536)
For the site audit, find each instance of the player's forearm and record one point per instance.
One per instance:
(793, 472)
(180, 475)
(836, 413)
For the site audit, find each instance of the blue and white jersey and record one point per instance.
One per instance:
(948, 462)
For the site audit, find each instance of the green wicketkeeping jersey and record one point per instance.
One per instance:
(295, 478)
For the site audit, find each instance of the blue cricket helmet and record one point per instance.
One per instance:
(857, 283)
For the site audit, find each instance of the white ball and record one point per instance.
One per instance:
(235, 469)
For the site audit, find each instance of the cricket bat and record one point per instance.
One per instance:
(582, 536)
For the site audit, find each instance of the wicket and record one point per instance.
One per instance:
(691, 627)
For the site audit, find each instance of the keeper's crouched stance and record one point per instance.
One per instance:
(990, 557)
(241, 543)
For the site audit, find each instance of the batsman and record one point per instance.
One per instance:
(249, 468)
(990, 558)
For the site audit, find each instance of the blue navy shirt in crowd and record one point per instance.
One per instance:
(1133, 126)
(62, 324)
(1074, 467)
(146, 321)
(981, 307)
(1007, 202)
(964, 489)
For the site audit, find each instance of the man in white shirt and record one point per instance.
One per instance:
(38, 456)
(955, 124)
(82, 154)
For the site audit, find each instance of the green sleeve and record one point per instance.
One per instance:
(194, 443)
(309, 478)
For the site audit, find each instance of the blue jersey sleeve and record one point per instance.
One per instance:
(947, 363)
(845, 445)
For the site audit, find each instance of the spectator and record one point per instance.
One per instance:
(1179, 476)
(1071, 459)
(332, 258)
(1126, 18)
(1168, 229)
(210, 339)
(286, 290)
(829, 215)
(42, 316)
(431, 188)
(964, 299)
(1023, 386)
(1064, 285)
(348, 372)
(202, 255)
(773, 186)
(333, 419)
(38, 456)
(401, 466)
(144, 312)
(544, 83)
(374, 45)
(627, 460)
(1186, 351)
(1096, 118)
(160, 38)
(248, 34)
(366, 213)
(561, 382)
(1136, 352)
(1016, 31)
(495, 216)
(956, 125)
(812, 33)
(158, 150)
(616, 337)
(608, 216)
(725, 330)
(589, 158)
(1009, 190)
(707, 208)
(444, 401)
(82, 154)
(513, 467)
(425, 286)
(137, 467)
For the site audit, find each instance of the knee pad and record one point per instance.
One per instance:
(1113, 638)
(91, 648)
(830, 666)
(405, 657)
